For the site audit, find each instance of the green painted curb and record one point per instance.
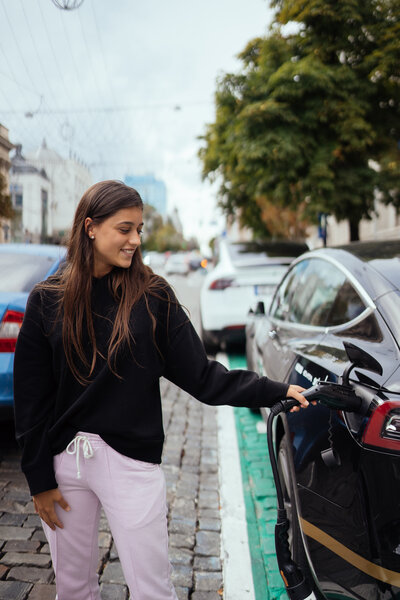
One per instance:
(259, 498)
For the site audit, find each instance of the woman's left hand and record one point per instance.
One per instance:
(294, 391)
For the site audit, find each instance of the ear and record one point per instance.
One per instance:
(89, 226)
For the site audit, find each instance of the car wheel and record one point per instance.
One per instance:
(295, 539)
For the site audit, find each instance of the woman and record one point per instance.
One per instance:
(95, 340)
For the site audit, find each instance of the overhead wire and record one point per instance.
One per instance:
(19, 50)
(127, 108)
(54, 54)
(120, 126)
(105, 62)
(59, 70)
(34, 88)
(88, 131)
(39, 60)
(93, 71)
(12, 112)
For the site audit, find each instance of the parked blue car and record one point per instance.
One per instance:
(21, 267)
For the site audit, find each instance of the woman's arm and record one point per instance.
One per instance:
(34, 393)
(187, 365)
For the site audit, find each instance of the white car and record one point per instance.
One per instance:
(177, 264)
(245, 273)
(155, 260)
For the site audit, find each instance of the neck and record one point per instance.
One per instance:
(100, 271)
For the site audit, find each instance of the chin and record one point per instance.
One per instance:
(125, 264)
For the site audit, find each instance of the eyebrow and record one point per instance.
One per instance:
(129, 223)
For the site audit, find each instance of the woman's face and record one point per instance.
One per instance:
(115, 240)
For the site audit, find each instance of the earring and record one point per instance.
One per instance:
(92, 237)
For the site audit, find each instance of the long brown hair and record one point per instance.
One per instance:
(74, 284)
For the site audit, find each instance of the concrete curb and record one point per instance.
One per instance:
(238, 578)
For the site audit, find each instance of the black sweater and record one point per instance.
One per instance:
(51, 405)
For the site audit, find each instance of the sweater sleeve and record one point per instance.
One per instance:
(207, 380)
(34, 389)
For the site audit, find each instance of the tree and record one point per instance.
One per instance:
(158, 235)
(6, 210)
(312, 122)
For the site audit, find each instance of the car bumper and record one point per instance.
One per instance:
(6, 385)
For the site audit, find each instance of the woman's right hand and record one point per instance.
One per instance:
(44, 504)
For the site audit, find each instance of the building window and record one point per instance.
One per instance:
(17, 196)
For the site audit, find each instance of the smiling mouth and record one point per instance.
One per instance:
(127, 251)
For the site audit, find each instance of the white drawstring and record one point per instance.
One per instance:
(74, 446)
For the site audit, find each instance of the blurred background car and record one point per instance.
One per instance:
(195, 260)
(21, 267)
(177, 264)
(245, 273)
(155, 260)
(340, 470)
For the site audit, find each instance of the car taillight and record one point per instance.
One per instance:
(383, 428)
(221, 284)
(9, 330)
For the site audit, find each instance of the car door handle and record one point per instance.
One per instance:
(272, 334)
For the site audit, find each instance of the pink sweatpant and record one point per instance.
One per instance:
(90, 474)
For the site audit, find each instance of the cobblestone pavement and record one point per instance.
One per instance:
(190, 464)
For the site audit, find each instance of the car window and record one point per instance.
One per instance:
(285, 296)
(19, 272)
(346, 306)
(317, 293)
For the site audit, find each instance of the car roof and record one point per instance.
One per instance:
(376, 265)
(372, 250)
(382, 255)
(51, 250)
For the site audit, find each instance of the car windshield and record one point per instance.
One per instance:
(20, 272)
(261, 253)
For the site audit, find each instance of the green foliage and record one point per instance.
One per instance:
(313, 118)
(6, 210)
(161, 236)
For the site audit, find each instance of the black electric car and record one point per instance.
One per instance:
(340, 470)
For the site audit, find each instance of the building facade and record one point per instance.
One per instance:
(45, 190)
(383, 225)
(5, 164)
(69, 179)
(30, 190)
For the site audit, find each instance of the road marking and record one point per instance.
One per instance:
(237, 570)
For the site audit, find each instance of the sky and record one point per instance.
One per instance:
(127, 86)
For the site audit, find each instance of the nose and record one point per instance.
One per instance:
(134, 239)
